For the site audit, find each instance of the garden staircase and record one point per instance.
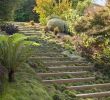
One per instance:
(77, 75)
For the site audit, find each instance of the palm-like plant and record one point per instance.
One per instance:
(14, 51)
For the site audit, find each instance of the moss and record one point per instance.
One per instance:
(26, 87)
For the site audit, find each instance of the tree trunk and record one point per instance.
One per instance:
(11, 76)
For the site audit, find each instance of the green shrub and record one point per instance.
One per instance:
(25, 12)
(51, 7)
(9, 28)
(59, 23)
(94, 36)
(26, 87)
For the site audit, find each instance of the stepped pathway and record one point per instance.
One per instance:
(77, 75)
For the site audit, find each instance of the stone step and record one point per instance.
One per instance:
(47, 50)
(59, 63)
(71, 80)
(30, 31)
(53, 54)
(52, 58)
(62, 73)
(37, 34)
(27, 28)
(94, 95)
(71, 68)
(87, 87)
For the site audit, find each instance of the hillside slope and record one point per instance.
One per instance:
(26, 87)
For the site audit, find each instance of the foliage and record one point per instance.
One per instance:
(73, 14)
(94, 36)
(54, 23)
(2, 77)
(14, 50)
(9, 28)
(70, 17)
(50, 7)
(26, 87)
(25, 12)
(7, 8)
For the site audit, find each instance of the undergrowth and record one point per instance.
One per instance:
(26, 87)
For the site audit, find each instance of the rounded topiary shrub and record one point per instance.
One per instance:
(60, 24)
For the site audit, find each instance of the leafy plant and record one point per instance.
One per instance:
(51, 7)
(25, 12)
(9, 28)
(14, 51)
(59, 24)
(94, 34)
(7, 8)
(2, 27)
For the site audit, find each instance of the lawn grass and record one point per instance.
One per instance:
(26, 86)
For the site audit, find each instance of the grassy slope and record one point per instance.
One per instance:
(26, 87)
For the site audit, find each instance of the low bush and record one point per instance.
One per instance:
(57, 24)
(93, 40)
(25, 13)
(51, 7)
(9, 28)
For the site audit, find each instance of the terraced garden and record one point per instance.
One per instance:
(54, 50)
(63, 73)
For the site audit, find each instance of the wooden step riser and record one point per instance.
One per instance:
(94, 95)
(47, 55)
(62, 81)
(49, 63)
(77, 68)
(47, 46)
(33, 34)
(51, 58)
(88, 87)
(45, 49)
(30, 32)
(62, 74)
(49, 50)
(26, 28)
(55, 58)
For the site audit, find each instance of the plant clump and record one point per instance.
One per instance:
(57, 25)
(10, 29)
(93, 40)
(14, 51)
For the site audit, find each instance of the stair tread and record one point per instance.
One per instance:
(62, 73)
(94, 95)
(87, 87)
(67, 67)
(70, 80)
(50, 57)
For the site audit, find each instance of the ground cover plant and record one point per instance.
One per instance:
(26, 87)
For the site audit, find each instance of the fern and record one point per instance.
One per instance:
(15, 50)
